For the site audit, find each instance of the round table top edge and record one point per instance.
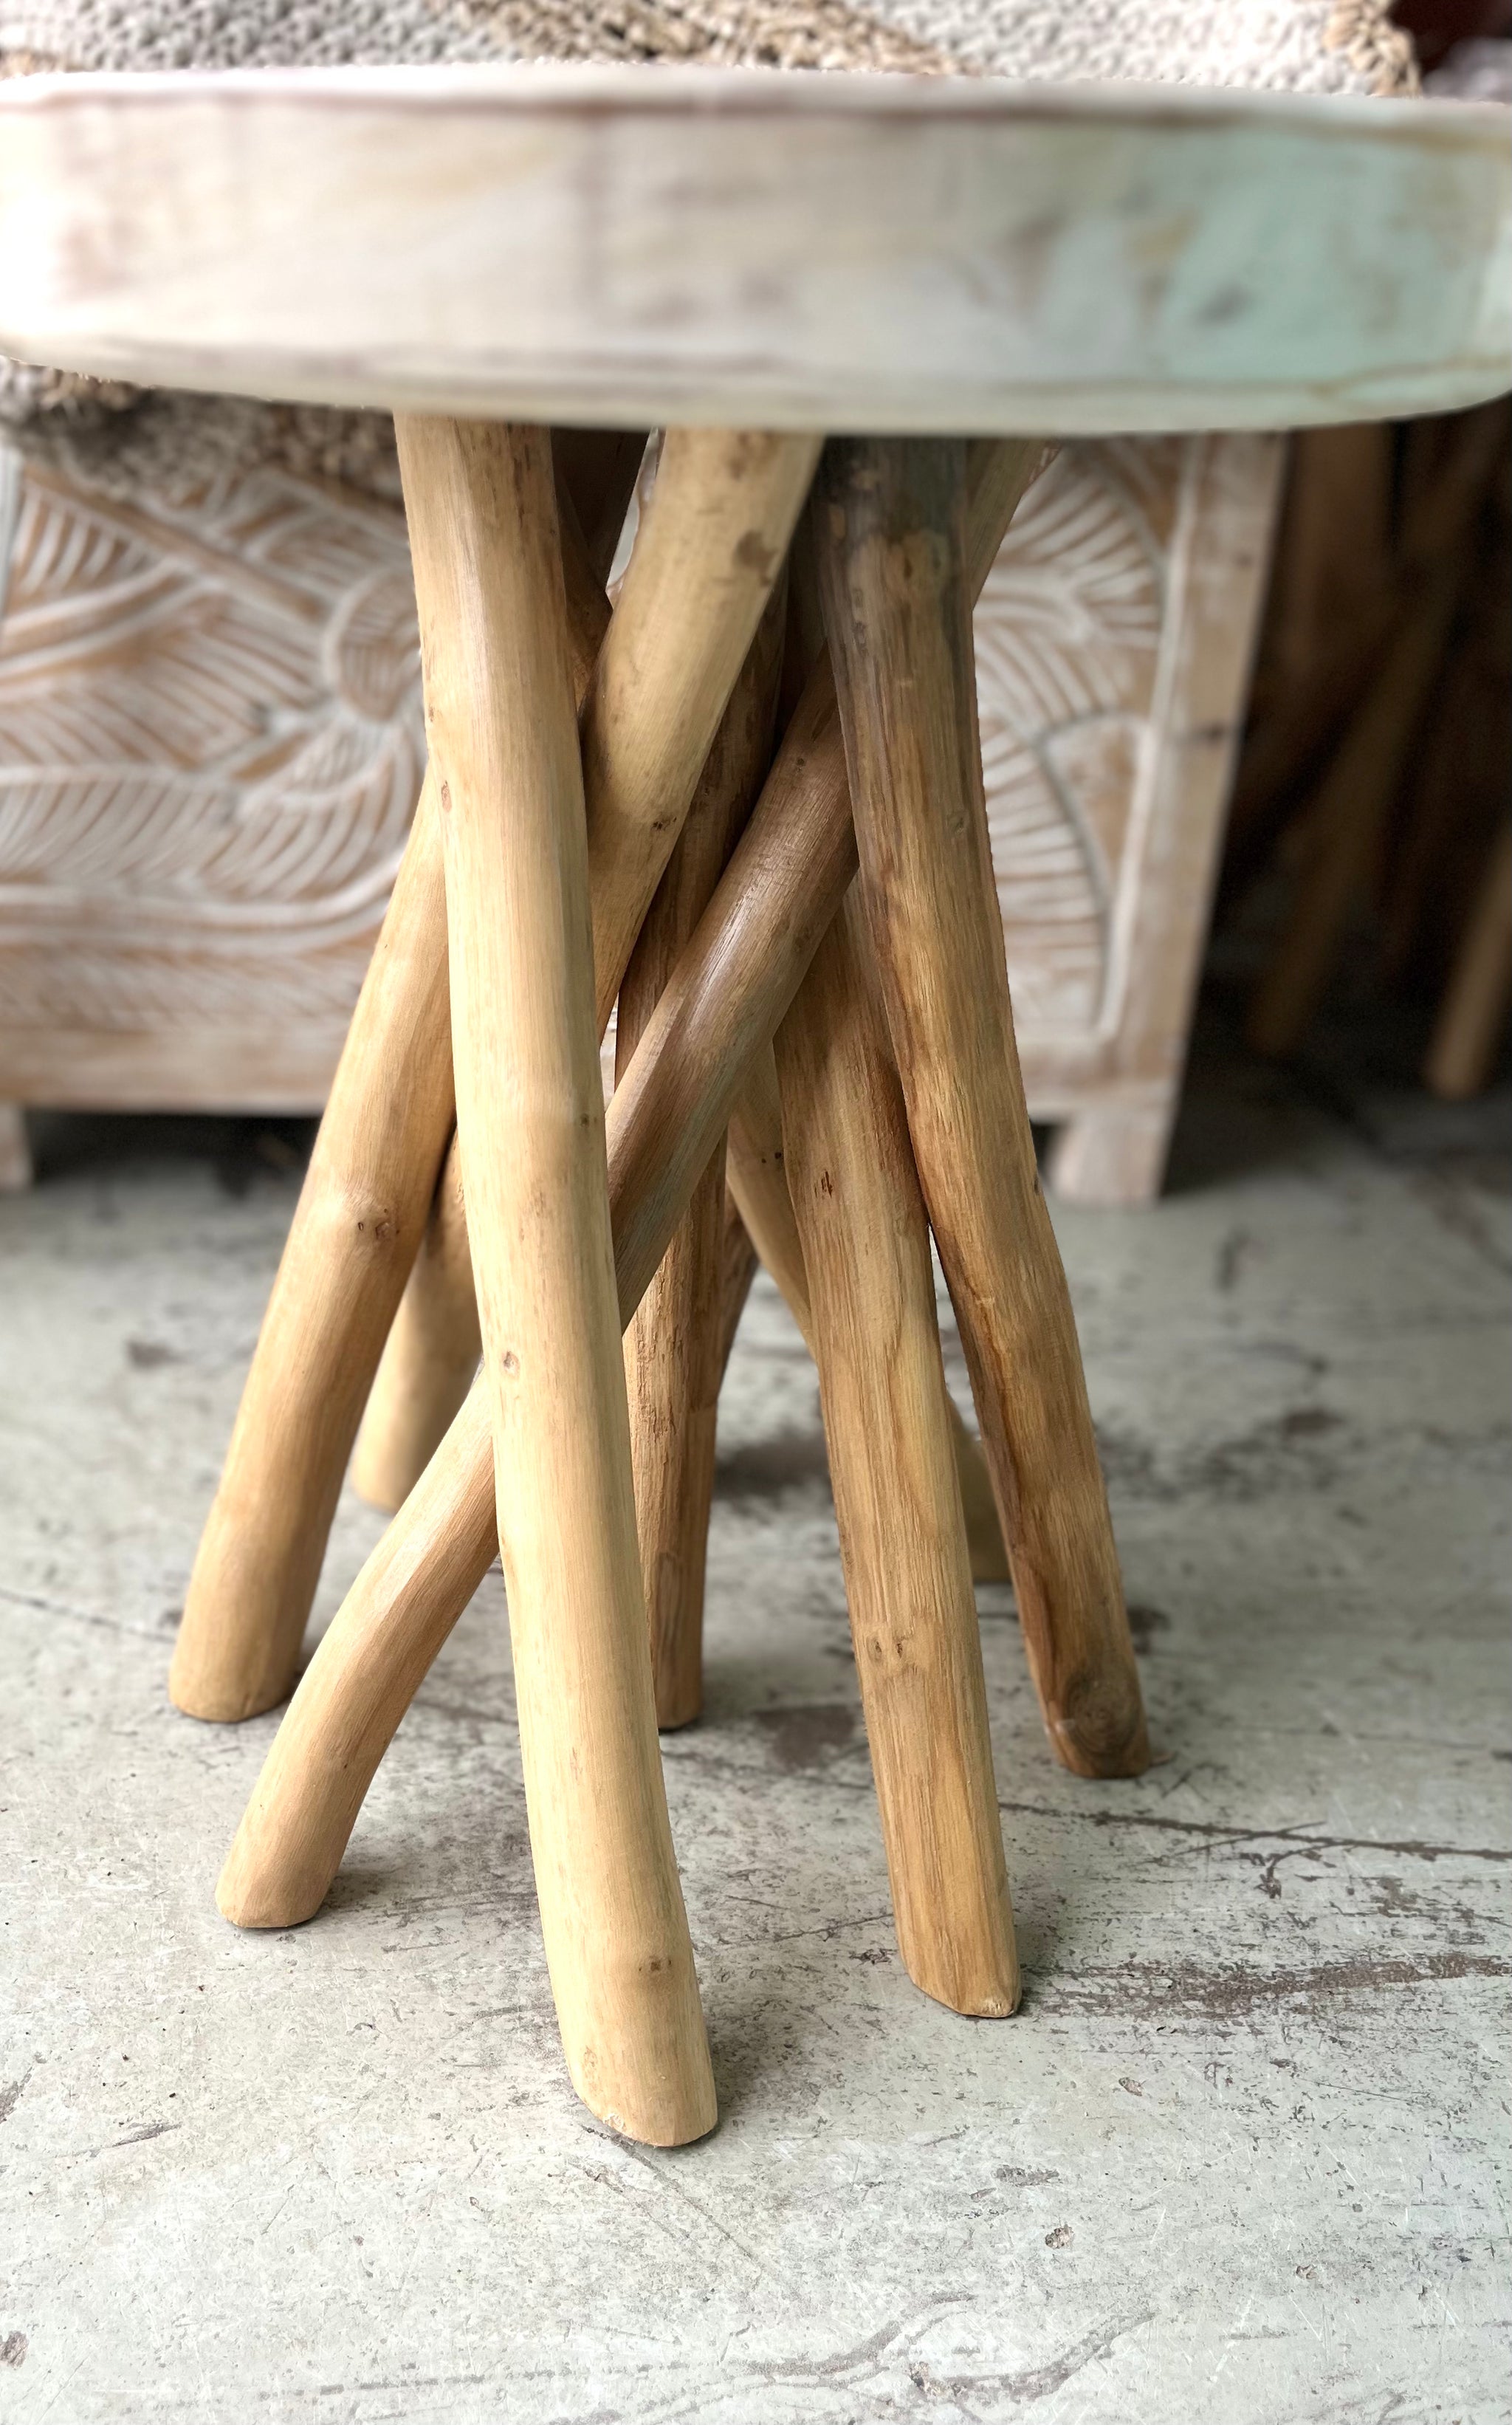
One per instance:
(658, 91)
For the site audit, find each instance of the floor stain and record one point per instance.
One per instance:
(146, 1355)
(146, 2131)
(1272, 1458)
(1144, 1990)
(1144, 1623)
(803, 1740)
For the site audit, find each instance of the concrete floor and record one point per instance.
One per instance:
(1238, 2162)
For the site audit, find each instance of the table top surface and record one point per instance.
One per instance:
(659, 245)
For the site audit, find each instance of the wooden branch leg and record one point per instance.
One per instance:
(530, 1121)
(673, 1361)
(889, 521)
(655, 687)
(707, 558)
(672, 1374)
(366, 1671)
(702, 574)
(733, 985)
(758, 1179)
(738, 1264)
(897, 1499)
(429, 1360)
(433, 1346)
(756, 1169)
(360, 1217)
(356, 1230)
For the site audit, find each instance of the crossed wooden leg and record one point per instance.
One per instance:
(890, 521)
(503, 741)
(656, 697)
(673, 1360)
(897, 1496)
(633, 2039)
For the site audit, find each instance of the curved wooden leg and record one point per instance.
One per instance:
(756, 1169)
(893, 552)
(429, 1360)
(366, 1669)
(434, 1343)
(530, 1121)
(673, 1361)
(756, 1175)
(356, 1230)
(732, 985)
(738, 1262)
(362, 1215)
(706, 561)
(892, 1466)
(373, 1176)
(672, 1374)
(654, 684)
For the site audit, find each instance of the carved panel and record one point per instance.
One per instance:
(1113, 645)
(1068, 637)
(210, 748)
(211, 741)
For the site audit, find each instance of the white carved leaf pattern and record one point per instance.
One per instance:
(211, 742)
(1067, 633)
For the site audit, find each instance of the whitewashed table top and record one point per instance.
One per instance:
(663, 245)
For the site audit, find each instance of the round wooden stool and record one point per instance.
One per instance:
(746, 262)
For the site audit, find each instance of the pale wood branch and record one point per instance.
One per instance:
(673, 1359)
(501, 719)
(732, 984)
(865, 1243)
(893, 558)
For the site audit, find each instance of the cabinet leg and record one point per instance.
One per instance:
(15, 1151)
(1472, 1020)
(1113, 1157)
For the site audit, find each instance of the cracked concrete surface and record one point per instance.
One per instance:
(1240, 2160)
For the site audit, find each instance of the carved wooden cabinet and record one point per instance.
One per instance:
(211, 741)
(1114, 640)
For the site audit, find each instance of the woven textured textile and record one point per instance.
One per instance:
(1297, 45)
(118, 439)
